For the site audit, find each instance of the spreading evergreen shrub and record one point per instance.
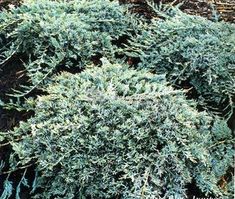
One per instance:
(46, 34)
(192, 51)
(117, 132)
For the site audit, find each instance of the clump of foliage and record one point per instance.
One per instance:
(192, 51)
(117, 132)
(48, 34)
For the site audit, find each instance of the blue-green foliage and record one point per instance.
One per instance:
(53, 33)
(192, 51)
(7, 189)
(117, 132)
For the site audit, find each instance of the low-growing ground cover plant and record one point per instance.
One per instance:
(48, 34)
(193, 52)
(117, 132)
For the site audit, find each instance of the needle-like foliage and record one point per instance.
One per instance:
(48, 34)
(193, 52)
(117, 132)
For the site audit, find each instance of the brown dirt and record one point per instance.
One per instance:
(12, 75)
(4, 4)
(225, 8)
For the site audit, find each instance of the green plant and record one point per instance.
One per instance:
(117, 132)
(193, 52)
(47, 34)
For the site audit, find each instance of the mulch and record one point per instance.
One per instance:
(225, 9)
